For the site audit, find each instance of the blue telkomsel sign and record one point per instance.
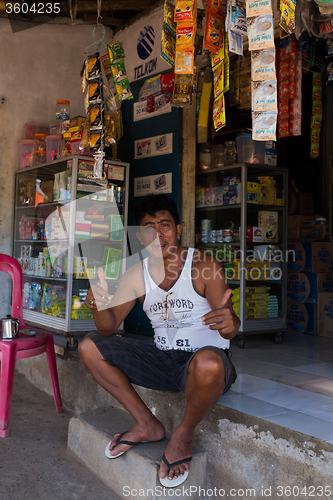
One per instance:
(145, 46)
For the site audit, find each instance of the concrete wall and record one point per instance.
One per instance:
(38, 66)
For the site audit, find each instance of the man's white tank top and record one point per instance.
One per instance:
(175, 314)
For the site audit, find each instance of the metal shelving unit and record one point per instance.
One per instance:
(71, 246)
(241, 213)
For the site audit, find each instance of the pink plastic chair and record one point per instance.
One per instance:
(21, 347)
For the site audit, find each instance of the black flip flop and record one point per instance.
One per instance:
(176, 481)
(118, 441)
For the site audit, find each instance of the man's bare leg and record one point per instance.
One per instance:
(116, 383)
(204, 387)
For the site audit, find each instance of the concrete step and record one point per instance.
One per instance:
(136, 472)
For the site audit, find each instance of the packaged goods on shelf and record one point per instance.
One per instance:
(116, 227)
(111, 262)
(268, 220)
(254, 234)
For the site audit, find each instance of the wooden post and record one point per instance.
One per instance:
(188, 175)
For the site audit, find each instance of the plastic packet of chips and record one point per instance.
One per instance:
(95, 91)
(94, 66)
(97, 117)
(96, 143)
(182, 91)
(168, 18)
(213, 29)
(168, 47)
(185, 10)
(185, 37)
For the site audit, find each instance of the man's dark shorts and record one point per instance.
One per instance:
(147, 366)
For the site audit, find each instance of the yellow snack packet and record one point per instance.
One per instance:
(219, 113)
(184, 62)
(226, 63)
(218, 80)
(168, 47)
(217, 59)
(185, 37)
(185, 10)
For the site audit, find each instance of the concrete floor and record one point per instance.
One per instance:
(34, 463)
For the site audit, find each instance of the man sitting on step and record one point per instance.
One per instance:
(187, 299)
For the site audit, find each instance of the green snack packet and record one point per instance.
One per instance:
(123, 90)
(115, 51)
(118, 71)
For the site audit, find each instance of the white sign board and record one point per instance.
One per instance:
(153, 146)
(153, 184)
(142, 46)
(140, 109)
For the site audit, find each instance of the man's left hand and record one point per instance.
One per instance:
(222, 319)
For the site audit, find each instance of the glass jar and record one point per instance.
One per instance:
(205, 156)
(218, 156)
(39, 157)
(119, 195)
(63, 110)
(40, 142)
(111, 193)
(230, 153)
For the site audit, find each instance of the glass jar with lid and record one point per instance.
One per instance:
(205, 156)
(218, 156)
(40, 142)
(230, 153)
(63, 110)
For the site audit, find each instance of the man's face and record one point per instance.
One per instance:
(159, 233)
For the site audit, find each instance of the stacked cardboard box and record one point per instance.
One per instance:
(310, 277)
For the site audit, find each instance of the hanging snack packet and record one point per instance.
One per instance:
(288, 16)
(264, 126)
(95, 91)
(260, 31)
(185, 10)
(219, 113)
(213, 30)
(217, 59)
(106, 66)
(216, 7)
(84, 76)
(184, 62)
(168, 47)
(115, 52)
(110, 129)
(85, 139)
(96, 142)
(182, 91)
(245, 62)
(167, 84)
(118, 71)
(123, 89)
(185, 36)
(256, 8)
(218, 80)
(235, 43)
(94, 66)
(97, 117)
(263, 65)
(226, 71)
(168, 18)
(264, 96)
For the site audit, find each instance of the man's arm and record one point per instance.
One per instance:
(109, 313)
(211, 282)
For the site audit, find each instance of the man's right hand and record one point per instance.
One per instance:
(98, 297)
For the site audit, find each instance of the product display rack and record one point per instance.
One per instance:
(245, 214)
(61, 227)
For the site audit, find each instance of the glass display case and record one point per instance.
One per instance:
(67, 225)
(241, 218)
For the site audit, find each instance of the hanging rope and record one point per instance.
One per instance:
(99, 8)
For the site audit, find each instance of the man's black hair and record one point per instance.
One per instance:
(155, 203)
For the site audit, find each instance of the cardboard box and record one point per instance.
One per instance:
(302, 318)
(325, 314)
(321, 282)
(116, 227)
(254, 233)
(314, 230)
(269, 221)
(300, 203)
(199, 197)
(295, 225)
(298, 287)
(310, 257)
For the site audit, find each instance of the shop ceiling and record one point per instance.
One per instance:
(117, 14)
